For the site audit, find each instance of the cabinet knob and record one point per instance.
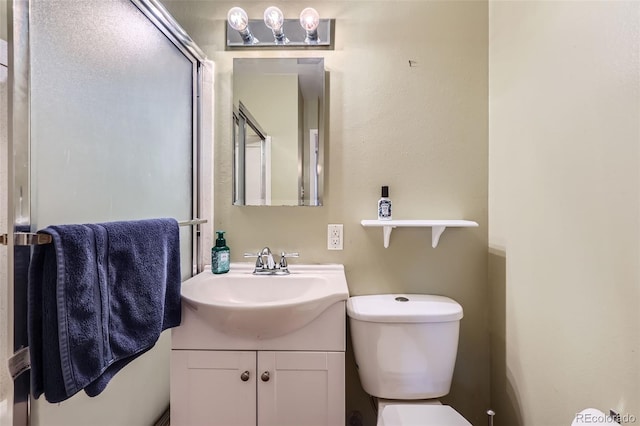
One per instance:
(245, 376)
(265, 376)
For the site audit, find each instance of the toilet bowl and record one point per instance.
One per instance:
(405, 347)
(403, 414)
(418, 413)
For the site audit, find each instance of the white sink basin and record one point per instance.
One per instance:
(239, 303)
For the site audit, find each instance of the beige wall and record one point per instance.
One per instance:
(421, 130)
(564, 193)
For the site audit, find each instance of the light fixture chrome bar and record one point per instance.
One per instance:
(297, 36)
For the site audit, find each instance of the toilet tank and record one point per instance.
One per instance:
(405, 345)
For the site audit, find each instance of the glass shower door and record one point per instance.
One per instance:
(6, 390)
(112, 125)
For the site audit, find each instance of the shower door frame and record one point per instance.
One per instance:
(18, 203)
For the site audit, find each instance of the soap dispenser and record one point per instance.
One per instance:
(220, 255)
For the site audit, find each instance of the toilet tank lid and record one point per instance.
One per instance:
(405, 308)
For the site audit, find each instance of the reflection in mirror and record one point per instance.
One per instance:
(253, 160)
(278, 106)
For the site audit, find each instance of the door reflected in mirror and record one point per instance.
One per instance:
(278, 107)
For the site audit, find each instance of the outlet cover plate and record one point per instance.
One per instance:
(335, 236)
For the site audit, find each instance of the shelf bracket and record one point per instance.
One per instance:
(436, 232)
(386, 233)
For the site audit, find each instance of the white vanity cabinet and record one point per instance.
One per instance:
(306, 385)
(302, 389)
(265, 388)
(207, 388)
(261, 350)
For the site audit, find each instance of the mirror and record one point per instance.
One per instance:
(278, 117)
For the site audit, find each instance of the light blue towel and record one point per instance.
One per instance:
(99, 297)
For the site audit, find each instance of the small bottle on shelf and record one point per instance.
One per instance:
(384, 205)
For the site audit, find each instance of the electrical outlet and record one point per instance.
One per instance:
(334, 237)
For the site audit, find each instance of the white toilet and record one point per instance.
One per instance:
(405, 348)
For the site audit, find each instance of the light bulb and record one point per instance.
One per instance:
(309, 19)
(239, 21)
(273, 18)
(238, 18)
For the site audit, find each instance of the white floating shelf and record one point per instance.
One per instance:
(437, 227)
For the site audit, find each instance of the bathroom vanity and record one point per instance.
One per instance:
(237, 361)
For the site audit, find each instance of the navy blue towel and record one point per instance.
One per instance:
(99, 296)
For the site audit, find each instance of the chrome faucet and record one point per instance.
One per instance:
(266, 254)
(266, 265)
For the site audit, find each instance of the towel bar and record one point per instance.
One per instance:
(192, 222)
(34, 239)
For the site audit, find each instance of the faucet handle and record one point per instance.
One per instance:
(258, 257)
(283, 258)
(293, 254)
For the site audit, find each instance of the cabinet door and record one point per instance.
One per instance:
(303, 389)
(207, 388)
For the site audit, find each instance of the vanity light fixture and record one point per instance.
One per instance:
(307, 32)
